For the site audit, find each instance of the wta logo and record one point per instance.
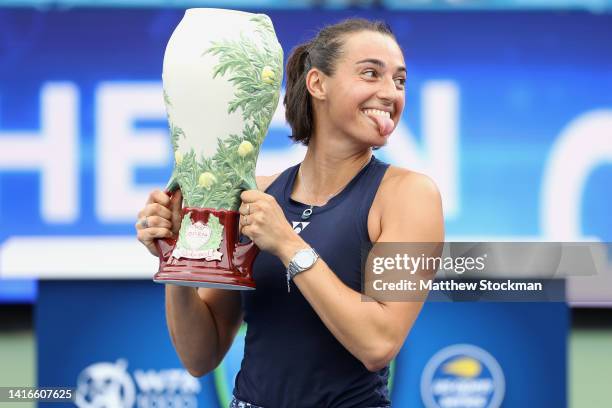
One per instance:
(106, 385)
(462, 376)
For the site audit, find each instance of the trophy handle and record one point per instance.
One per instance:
(162, 244)
(244, 256)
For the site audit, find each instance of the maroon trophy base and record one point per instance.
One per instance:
(233, 271)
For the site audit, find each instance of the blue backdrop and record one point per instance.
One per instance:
(512, 88)
(521, 79)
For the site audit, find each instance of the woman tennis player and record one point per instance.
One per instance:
(311, 341)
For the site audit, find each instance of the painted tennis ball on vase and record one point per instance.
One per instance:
(245, 148)
(178, 157)
(267, 75)
(206, 180)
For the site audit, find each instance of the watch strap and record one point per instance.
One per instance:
(293, 268)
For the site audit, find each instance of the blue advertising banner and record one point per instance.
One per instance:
(112, 353)
(484, 355)
(118, 353)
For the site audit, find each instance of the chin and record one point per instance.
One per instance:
(380, 144)
(378, 141)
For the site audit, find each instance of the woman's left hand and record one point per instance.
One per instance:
(263, 221)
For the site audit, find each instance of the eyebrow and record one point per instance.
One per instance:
(379, 63)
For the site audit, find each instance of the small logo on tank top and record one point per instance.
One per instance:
(299, 226)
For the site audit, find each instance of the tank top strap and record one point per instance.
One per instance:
(364, 192)
(356, 197)
(279, 184)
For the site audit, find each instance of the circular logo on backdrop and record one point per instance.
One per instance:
(462, 376)
(110, 385)
(105, 385)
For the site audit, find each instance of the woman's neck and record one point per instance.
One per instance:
(324, 172)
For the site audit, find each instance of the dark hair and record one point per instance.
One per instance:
(321, 52)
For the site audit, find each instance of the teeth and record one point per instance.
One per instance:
(376, 112)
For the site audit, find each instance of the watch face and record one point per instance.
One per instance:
(304, 259)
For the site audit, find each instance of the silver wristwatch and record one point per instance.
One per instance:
(303, 260)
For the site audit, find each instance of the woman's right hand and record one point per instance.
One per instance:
(163, 218)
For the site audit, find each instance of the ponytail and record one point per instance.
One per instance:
(297, 101)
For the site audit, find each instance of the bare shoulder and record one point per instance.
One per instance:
(263, 182)
(403, 197)
(400, 182)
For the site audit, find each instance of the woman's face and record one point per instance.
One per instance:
(369, 77)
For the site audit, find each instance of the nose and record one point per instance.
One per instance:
(387, 92)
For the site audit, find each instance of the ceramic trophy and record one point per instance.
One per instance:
(222, 74)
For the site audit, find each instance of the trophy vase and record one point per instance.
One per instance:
(222, 76)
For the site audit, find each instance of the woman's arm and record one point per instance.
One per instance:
(202, 324)
(375, 331)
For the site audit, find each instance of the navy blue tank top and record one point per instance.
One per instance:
(291, 359)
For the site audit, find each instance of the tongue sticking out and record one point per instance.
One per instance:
(385, 125)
